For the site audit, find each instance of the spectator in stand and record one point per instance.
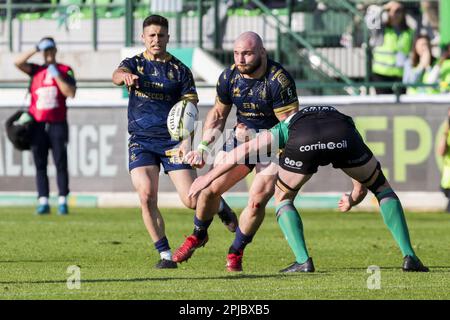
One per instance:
(441, 71)
(391, 45)
(430, 20)
(444, 69)
(420, 67)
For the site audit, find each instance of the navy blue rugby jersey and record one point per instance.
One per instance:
(161, 85)
(258, 100)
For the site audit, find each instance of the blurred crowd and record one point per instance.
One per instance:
(405, 45)
(404, 39)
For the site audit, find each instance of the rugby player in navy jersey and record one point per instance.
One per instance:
(317, 136)
(263, 93)
(156, 81)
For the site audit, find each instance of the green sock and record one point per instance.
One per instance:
(292, 227)
(394, 218)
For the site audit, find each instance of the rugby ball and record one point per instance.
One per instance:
(181, 120)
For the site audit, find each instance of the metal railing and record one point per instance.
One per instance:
(197, 15)
(303, 42)
(310, 53)
(397, 87)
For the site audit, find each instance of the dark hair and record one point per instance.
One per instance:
(415, 58)
(403, 24)
(156, 20)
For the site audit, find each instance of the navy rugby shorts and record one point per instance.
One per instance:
(148, 151)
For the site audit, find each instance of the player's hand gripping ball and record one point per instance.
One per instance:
(181, 120)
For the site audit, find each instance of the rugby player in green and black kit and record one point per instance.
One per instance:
(317, 136)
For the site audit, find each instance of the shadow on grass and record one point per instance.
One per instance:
(399, 268)
(226, 277)
(34, 261)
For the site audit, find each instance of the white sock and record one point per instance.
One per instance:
(43, 200)
(166, 255)
(62, 200)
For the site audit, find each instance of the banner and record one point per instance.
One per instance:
(402, 136)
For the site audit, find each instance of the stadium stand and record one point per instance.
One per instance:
(324, 44)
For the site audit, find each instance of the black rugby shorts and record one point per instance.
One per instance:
(320, 139)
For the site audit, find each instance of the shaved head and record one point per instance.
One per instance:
(249, 53)
(250, 39)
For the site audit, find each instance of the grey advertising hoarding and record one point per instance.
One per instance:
(402, 136)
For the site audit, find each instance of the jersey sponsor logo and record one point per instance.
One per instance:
(251, 114)
(283, 80)
(152, 95)
(292, 163)
(317, 109)
(277, 74)
(324, 146)
(250, 105)
(155, 85)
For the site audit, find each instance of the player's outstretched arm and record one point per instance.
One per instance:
(122, 76)
(348, 200)
(232, 158)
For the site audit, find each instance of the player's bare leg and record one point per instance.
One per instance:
(208, 200)
(145, 180)
(287, 186)
(207, 206)
(225, 213)
(371, 176)
(182, 180)
(252, 216)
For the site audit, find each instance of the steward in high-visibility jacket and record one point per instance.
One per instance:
(444, 76)
(390, 56)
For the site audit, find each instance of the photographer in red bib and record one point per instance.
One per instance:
(50, 85)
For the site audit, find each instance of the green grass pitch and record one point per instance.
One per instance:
(116, 258)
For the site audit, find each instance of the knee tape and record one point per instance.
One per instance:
(284, 187)
(379, 181)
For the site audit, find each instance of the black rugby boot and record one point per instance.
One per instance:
(307, 266)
